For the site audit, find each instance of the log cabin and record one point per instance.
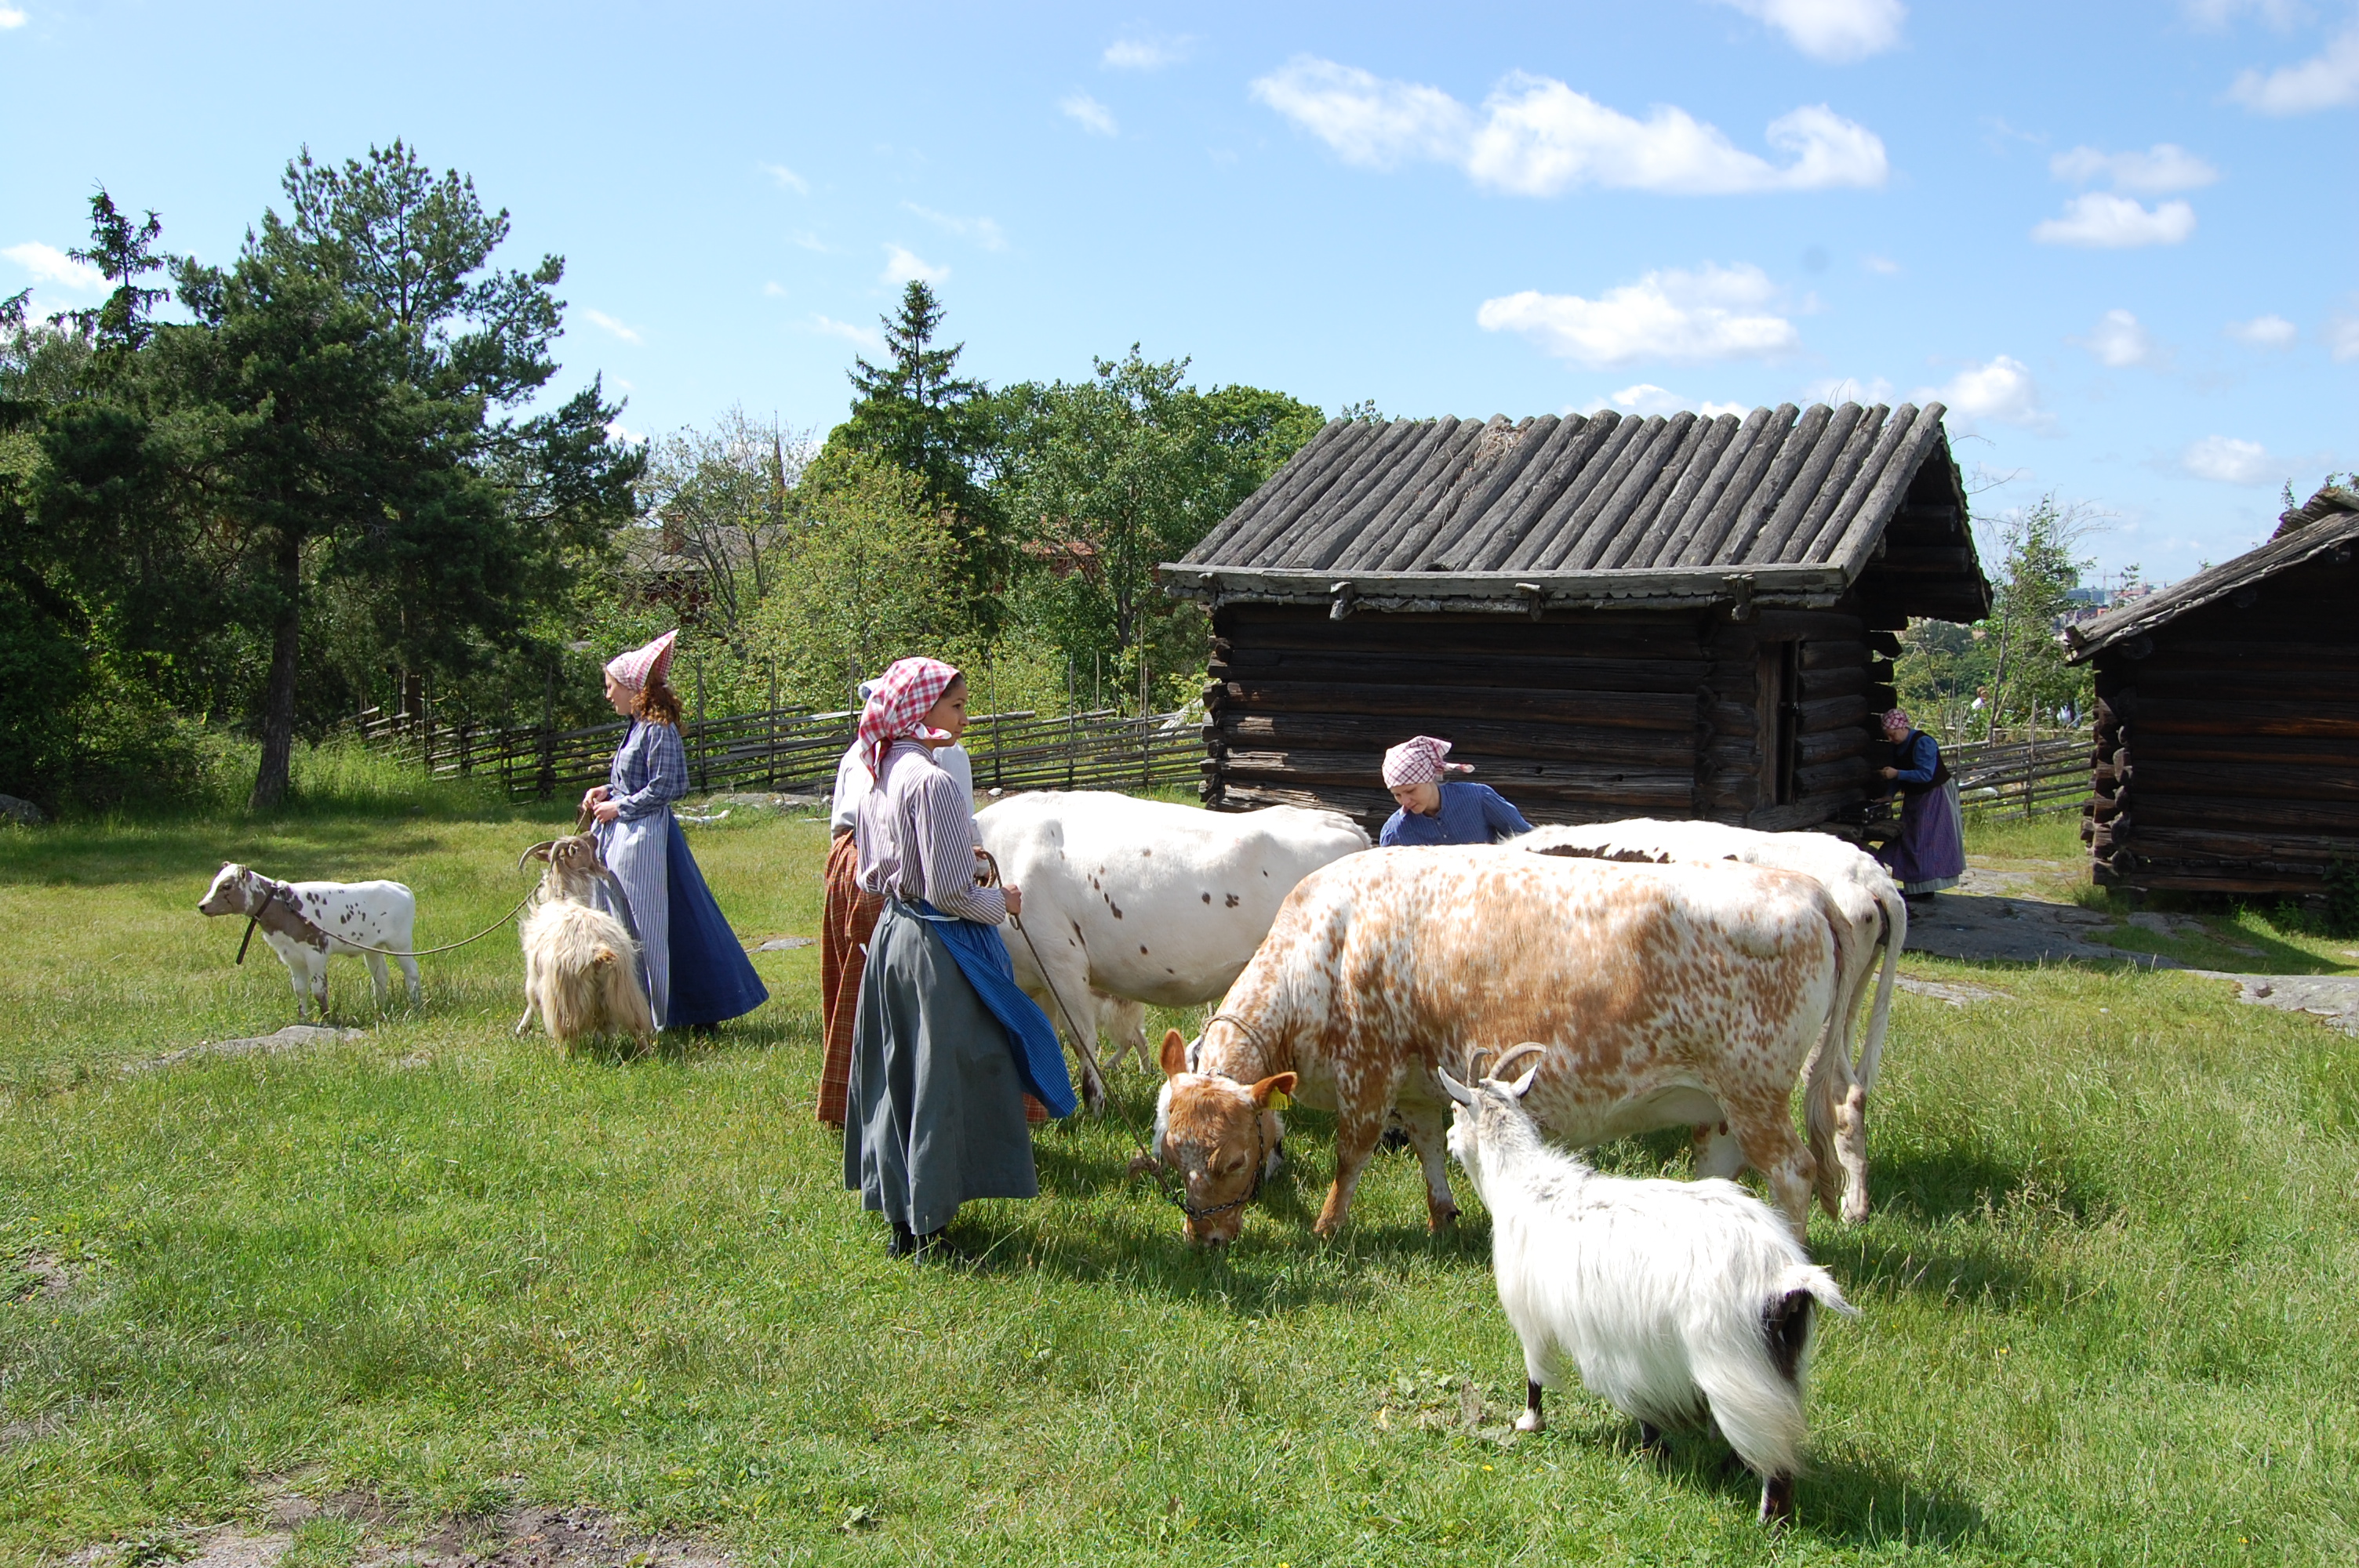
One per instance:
(2227, 721)
(1686, 616)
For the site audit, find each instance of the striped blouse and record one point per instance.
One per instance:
(918, 839)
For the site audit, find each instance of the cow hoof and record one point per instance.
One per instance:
(1440, 1220)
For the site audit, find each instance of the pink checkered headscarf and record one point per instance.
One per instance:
(1420, 760)
(632, 671)
(897, 708)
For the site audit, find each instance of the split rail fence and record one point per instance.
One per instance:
(788, 748)
(2027, 777)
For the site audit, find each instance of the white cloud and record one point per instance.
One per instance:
(12, 18)
(902, 266)
(2104, 220)
(786, 178)
(1536, 136)
(1883, 266)
(1094, 116)
(808, 241)
(1832, 30)
(618, 431)
(2229, 460)
(2326, 81)
(2001, 390)
(1849, 389)
(2215, 13)
(1366, 119)
(1713, 313)
(773, 290)
(49, 265)
(2162, 168)
(982, 231)
(861, 337)
(1146, 54)
(1647, 399)
(600, 318)
(2264, 332)
(2119, 340)
(2342, 338)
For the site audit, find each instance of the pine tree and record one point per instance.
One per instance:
(917, 413)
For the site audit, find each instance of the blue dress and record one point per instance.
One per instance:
(1471, 814)
(697, 970)
(1930, 853)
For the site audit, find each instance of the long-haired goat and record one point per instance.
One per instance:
(580, 964)
(1678, 1301)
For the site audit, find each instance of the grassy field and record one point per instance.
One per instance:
(2106, 1293)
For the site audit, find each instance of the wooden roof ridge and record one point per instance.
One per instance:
(2333, 534)
(1576, 508)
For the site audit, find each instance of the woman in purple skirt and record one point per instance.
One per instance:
(1930, 853)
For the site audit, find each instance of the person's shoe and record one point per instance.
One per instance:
(934, 1246)
(903, 1242)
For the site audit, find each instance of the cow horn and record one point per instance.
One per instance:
(1453, 1088)
(537, 852)
(1512, 1055)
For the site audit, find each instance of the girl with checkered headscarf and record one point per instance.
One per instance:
(1436, 810)
(944, 1045)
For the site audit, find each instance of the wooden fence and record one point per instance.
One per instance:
(786, 748)
(2025, 777)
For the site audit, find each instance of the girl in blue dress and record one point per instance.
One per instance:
(697, 973)
(1434, 810)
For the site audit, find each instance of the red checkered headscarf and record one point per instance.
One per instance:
(631, 670)
(1898, 716)
(1420, 760)
(897, 710)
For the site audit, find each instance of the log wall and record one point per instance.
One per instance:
(2227, 743)
(1577, 717)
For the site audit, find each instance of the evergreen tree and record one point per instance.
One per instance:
(917, 413)
(123, 253)
(342, 417)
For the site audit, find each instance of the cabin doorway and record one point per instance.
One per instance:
(1779, 708)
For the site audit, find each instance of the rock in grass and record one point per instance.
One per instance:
(23, 813)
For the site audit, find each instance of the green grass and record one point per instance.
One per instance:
(2105, 1293)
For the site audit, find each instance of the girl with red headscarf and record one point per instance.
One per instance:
(944, 1045)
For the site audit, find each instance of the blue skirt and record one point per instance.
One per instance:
(712, 978)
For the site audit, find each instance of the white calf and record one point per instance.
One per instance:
(307, 924)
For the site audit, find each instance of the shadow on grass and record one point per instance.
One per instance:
(296, 850)
(1945, 1182)
(1839, 1500)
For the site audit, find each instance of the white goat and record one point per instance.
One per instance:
(307, 922)
(1678, 1301)
(580, 964)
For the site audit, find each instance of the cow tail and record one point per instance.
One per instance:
(1895, 936)
(1828, 1085)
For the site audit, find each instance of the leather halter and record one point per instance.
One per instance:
(1178, 1195)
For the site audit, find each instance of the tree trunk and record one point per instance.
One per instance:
(278, 694)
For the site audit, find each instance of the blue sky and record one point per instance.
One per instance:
(2116, 239)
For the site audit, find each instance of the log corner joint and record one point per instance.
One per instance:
(1340, 599)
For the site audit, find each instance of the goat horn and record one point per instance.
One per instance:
(1515, 1054)
(1478, 1062)
(537, 852)
(1453, 1088)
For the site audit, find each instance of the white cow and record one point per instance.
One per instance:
(1144, 902)
(307, 922)
(1862, 889)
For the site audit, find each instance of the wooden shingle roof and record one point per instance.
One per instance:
(2334, 534)
(1784, 506)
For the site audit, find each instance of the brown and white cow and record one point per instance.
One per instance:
(1664, 994)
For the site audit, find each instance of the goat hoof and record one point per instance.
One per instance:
(1531, 1421)
(1777, 1500)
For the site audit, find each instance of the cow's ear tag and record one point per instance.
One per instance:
(1278, 1100)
